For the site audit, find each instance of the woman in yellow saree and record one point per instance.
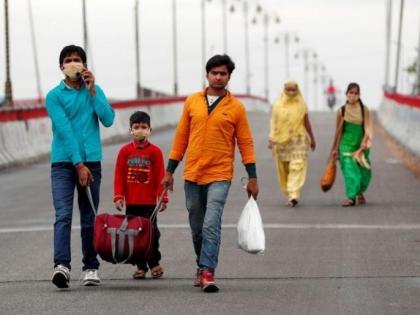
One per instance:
(290, 129)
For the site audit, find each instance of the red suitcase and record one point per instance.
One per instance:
(122, 239)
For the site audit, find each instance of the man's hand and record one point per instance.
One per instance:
(252, 188)
(119, 204)
(168, 181)
(89, 79)
(84, 174)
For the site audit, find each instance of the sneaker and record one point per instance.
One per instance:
(61, 277)
(90, 277)
(207, 282)
(197, 279)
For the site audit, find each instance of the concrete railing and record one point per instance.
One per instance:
(400, 116)
(25, 131)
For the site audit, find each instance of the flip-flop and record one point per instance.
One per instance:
(157, 272)
(361, 199)
(139, 274)
(293, 203)
(349, 203)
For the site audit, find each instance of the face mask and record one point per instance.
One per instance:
(140, 134)
(73, 70)
(291, 94)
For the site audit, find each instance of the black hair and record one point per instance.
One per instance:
(139, 117)
(220, 60)
(353, 85)
(68, 50)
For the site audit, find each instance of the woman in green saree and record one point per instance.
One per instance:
(352, 146)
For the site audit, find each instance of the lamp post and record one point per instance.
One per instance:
(397, 64)
(175, 48)
(267, 17)
(287, 38)
(139, 93)
(246, 43)
(203, 43)
(85, 33)
(306, 53)
(387, 42)
(417, 86)
(8, 97)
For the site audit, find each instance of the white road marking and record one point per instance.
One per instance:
(266, 226)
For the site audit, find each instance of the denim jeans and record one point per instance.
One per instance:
(64, 180)
(205, 205)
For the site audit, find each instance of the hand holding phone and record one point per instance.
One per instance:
(89, 80)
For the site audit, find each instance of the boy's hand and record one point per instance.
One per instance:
(119, 204)
(162, 207)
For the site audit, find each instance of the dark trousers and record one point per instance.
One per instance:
(155, 255)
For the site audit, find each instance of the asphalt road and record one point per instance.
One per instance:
(320, 258)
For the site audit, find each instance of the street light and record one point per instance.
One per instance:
(8, 97)
(246, 42)
(137, 43)
(287, 37)
(306, 54)
(175, 48)
(267, 17)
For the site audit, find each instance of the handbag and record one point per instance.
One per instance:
(250, 229)
(328, 176)
(123, 239)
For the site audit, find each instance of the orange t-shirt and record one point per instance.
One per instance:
(208, 140)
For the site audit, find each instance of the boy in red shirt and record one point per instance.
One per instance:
(139, 171)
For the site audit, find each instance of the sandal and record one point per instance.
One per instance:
(157, 272)
(349, 203)
(139, 274)
(361, 200)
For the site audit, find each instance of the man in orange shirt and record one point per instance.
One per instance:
(212, 122)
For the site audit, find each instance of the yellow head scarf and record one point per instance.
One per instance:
(287, 118)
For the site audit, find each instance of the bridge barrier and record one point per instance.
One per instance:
(400, 116)
(26, 131)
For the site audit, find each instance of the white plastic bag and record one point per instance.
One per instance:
(251, 237)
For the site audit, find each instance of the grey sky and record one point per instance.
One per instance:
(347, 35)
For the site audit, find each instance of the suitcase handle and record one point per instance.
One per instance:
(89, 196)
(152, 217)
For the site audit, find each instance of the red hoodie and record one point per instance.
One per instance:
(139, 171)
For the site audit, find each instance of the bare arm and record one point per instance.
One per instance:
(337, 136)
(308, 128)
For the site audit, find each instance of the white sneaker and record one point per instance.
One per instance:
(61, 277)
(90, 277)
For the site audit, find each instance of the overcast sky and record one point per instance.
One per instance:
(348, 37)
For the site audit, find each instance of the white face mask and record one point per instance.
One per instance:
(73, 70)
(140, 134)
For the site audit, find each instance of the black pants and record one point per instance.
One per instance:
(155, 256)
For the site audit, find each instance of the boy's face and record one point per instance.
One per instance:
(140, 131)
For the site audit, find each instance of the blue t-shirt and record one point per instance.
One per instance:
(75, 116)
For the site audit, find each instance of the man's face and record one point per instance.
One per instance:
(73, 57)
(218, 77)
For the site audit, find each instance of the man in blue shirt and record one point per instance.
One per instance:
(76, 106)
